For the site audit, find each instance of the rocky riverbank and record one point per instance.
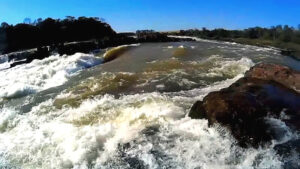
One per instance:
(266, 91)
(27, 56)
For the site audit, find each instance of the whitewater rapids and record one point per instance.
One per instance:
(75, 112)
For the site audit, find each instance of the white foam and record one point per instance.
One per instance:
(200, 146)
(91, 134)
(43, 74)
(257, 48)
(168, 47)
(4, 64)
(50, 137)
(231, 68)
(6, 118)
(3, 58)
(190, 96)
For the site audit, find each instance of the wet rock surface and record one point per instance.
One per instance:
(266, 91)
(278, 73)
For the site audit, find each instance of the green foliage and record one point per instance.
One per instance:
(52, 32)
(277, 33)
(151, 36)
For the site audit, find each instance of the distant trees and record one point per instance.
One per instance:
(142, 33)
(52, 32)
(27, 21)
(151, 36)
(4, 25)
(275, 33)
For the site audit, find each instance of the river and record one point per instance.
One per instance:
(75, 112)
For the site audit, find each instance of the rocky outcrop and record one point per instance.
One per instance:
(291, 53)
(90, 46)
(266, 90)
(27, 56)
(280, 74)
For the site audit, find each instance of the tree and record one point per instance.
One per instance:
(279, 28)
(252, 33)
(286, 34)
(53, 32)
(101, 19)
(70, 18)
(27, 21)
(37, 21)
(4, 25)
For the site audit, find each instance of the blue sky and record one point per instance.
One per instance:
(131, 15)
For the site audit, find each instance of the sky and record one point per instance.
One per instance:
(160, 15)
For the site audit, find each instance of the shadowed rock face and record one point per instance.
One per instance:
(266, 90)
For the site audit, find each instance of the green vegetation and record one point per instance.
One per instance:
(52, 32)
(88, 33)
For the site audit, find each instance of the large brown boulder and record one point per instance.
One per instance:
(278, 73)
(266, 90)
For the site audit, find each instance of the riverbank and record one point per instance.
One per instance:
(91, 46)
(286, 39)
(287, 48)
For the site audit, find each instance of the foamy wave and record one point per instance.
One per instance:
(146, 130)
(43, 74)
(6, 118)
(4, 64)
(189, 97)
(257, 48)
(192, 144)
(107, 132)
(113, 53)
(76, 137)
(231, 68)
(3, 58)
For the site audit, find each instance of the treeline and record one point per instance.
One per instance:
(153, 36)
(275, 33)
(52, 32)
(51, 36)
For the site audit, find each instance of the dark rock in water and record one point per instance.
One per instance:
(89, 46)
(291, 53)
(16, 63)
(74, 47)
(266, 90)
(17, 56)
(28, 56)
(41, 53)
(280, 74)
(287, 52)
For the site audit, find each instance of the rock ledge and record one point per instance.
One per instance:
(267, 90)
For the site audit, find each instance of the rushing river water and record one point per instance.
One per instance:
(74, 112)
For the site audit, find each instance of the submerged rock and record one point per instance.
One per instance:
(267, 90)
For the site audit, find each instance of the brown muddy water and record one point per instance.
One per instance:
(75, 112)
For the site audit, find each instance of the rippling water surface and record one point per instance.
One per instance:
(74, 112)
